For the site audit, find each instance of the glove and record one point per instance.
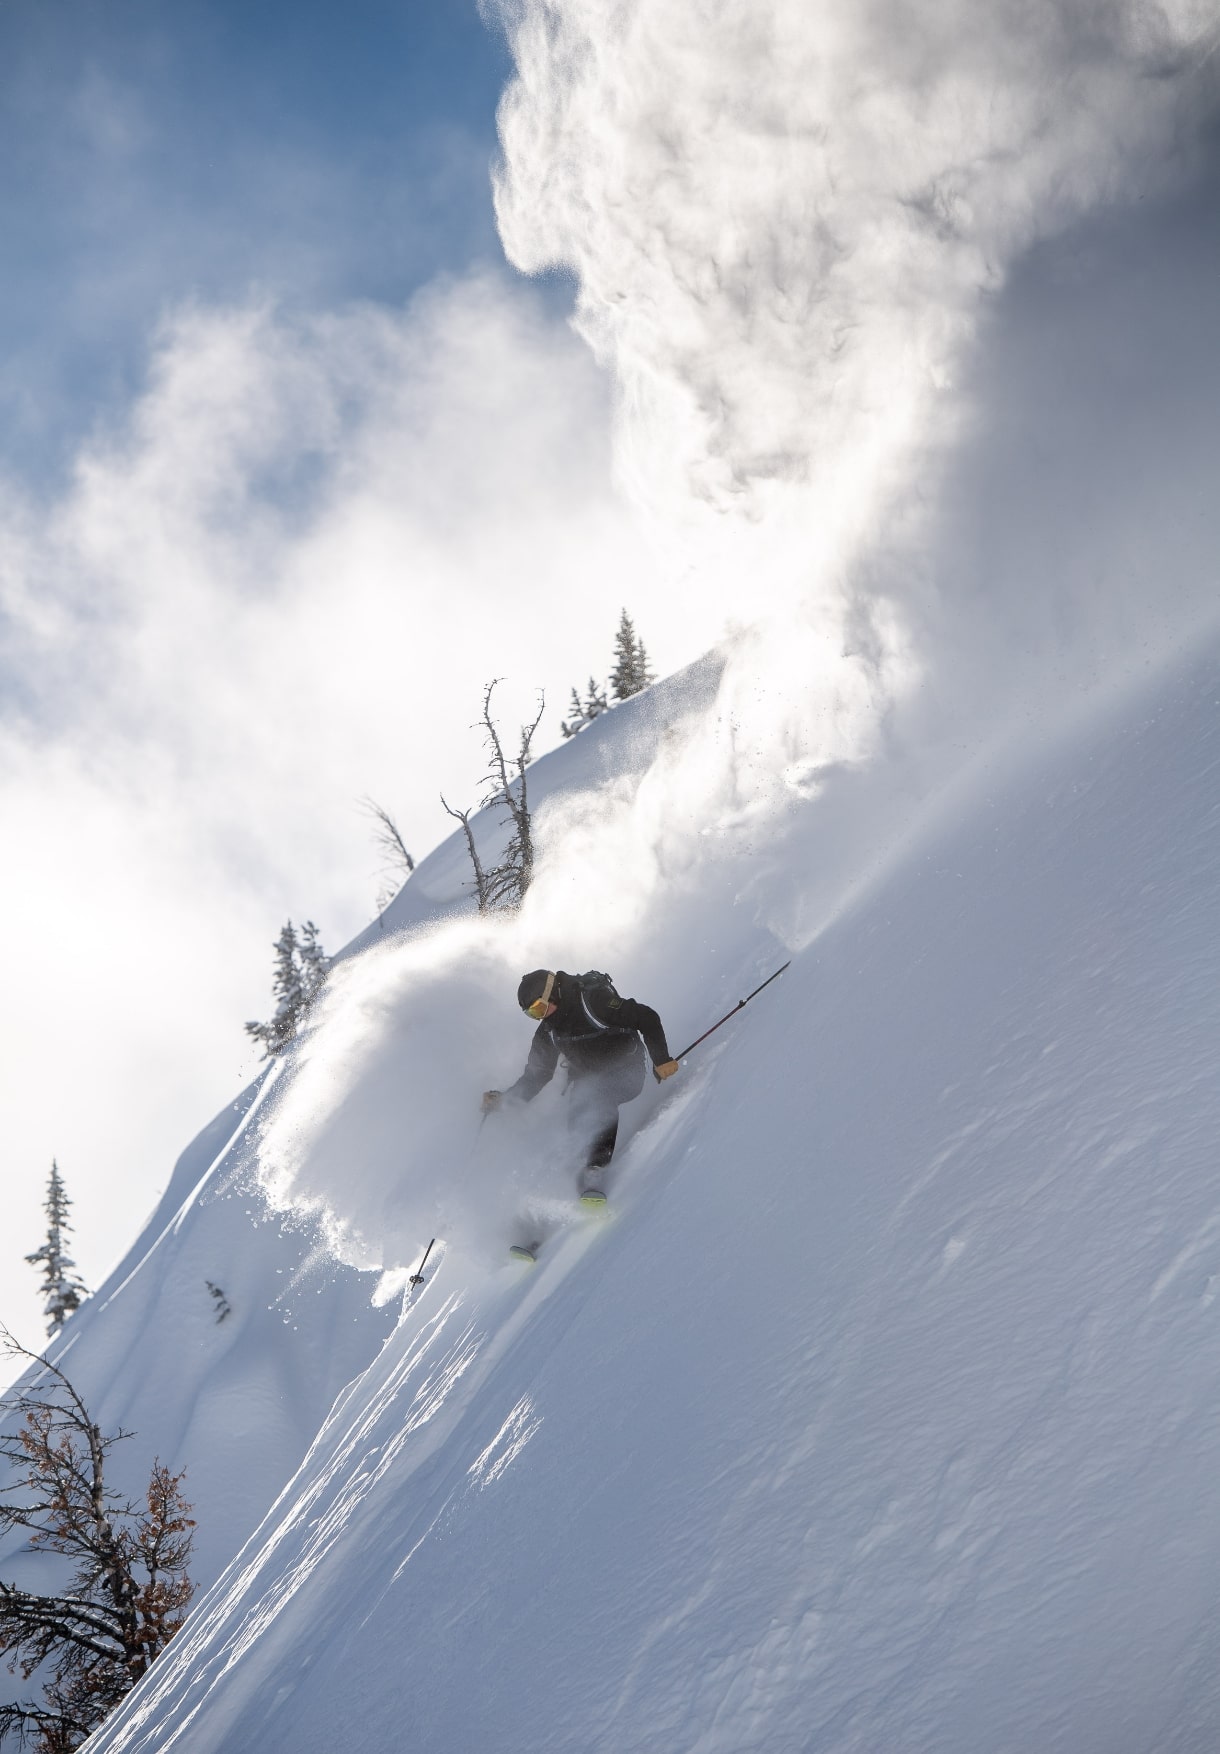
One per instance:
(492, 1100)
(666, 1069)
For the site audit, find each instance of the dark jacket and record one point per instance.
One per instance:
(595, 1032)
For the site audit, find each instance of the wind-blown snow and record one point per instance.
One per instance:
(788, 226)
(882, 1413)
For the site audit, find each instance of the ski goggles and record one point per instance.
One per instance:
(542, 1005)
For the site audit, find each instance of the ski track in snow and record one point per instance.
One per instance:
(425, 1377)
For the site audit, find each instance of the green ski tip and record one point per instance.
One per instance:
(593, 1197)
(520, 1252)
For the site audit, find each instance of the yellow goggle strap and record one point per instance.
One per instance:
(538, 1009)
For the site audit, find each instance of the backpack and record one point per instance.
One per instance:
(593, 980)
(593, 977)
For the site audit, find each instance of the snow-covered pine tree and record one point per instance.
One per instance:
(62, 1291)
(301, 967)
(576, 722)
(288, 993)
(584, 712)
(314, 962)
(631, 671)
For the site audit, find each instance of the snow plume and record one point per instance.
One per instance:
(781, 217)
(785, 222)
(376, 1129)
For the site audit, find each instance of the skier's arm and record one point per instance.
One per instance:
(539, 1067)
(628, 1014)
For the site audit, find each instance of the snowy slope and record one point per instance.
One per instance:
(238, 1402)
(884, 1413)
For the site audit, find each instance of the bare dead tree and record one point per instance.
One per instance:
(504, 884)
(508, 881)
(481, 890)
(128, 1593)
(397, 863)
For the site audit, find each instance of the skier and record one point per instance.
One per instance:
(598, 1034)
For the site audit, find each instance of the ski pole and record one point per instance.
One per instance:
(417, 1278)
(737, 1007)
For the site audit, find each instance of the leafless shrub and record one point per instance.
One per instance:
(128, 1592)
(397, 863)
(504, 884)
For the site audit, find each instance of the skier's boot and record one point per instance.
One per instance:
(592, 1194)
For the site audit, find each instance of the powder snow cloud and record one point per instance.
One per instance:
(782, 217)
(786, 225)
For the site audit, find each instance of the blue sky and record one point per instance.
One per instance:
(155, 153)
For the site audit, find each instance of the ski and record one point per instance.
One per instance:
(592, 1202)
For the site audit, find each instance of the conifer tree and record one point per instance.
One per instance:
(62, 1291)
(288, 992)
(314, 962)
(584, 712)
(631, 671)
(301, 967)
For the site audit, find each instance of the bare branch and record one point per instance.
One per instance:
(500, 773)
(90, 1643)
(480, 876)
(387, 837)
(508, 881)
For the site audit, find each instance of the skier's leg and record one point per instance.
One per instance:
(594, 1120)
(596, 1099)
(602, 1148)
(622, 1083)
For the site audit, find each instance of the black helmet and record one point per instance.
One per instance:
(538, 984)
